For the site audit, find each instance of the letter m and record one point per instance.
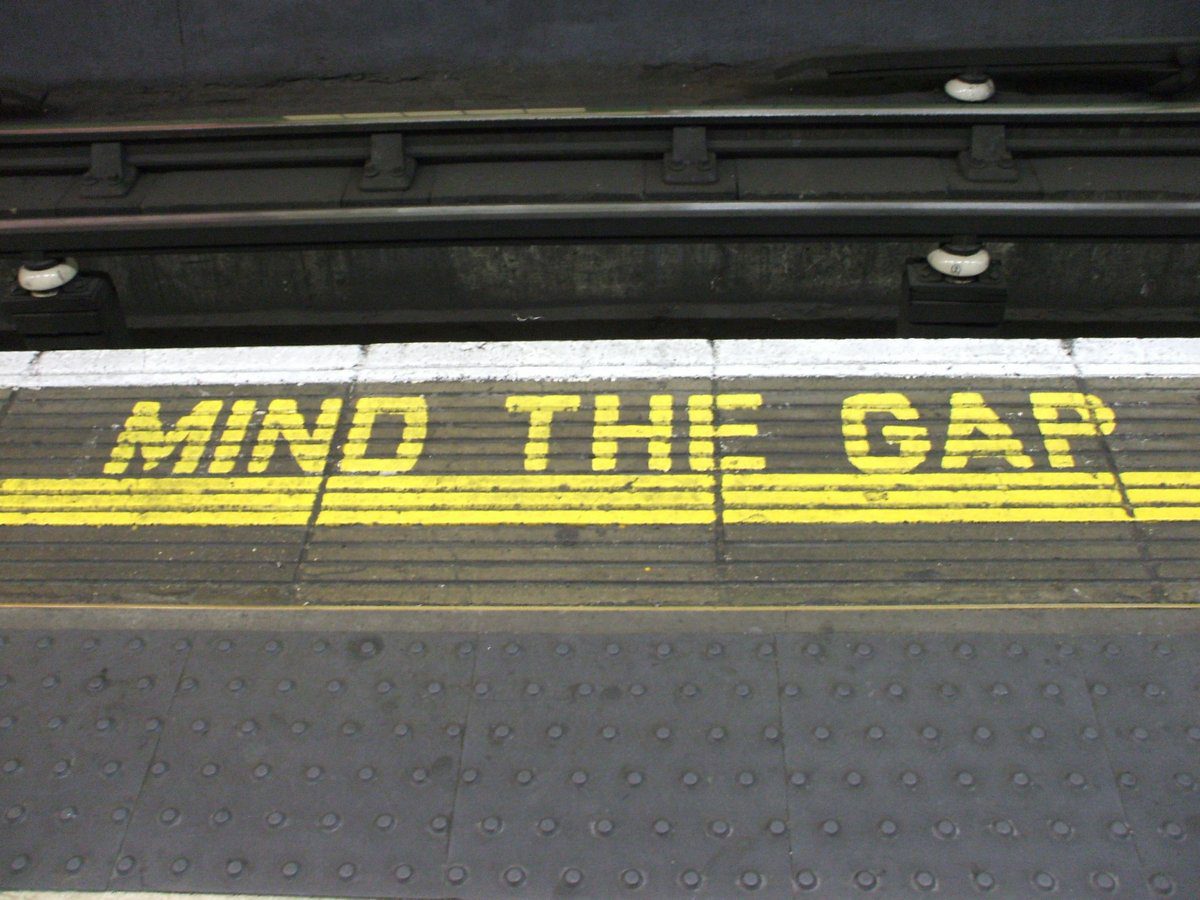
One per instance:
(144, 432)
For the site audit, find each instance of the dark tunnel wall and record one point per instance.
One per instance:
(56, 42)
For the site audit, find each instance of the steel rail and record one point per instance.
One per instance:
(36, 159)
(947, 112)
(992, 219)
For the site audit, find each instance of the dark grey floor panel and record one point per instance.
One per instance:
(466, 765)
(80, 717)
(962, 765)
(311, 764)
(1146, 693)
(631, 763)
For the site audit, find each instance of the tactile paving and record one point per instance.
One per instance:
(608, 765)
(80, 717)
(1139, 686)
(311, 764)
(467, 765)
(951, 764)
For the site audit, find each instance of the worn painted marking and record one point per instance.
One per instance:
(176, 500)
(685, 499)
(519, 500)
(507, 516)
(949, 515)
(812, 498)
(207, 461)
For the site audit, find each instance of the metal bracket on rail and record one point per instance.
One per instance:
(957, 286)
(389, 168)
(54, 306)
(988, 158)
(689, 160)
(109, 174)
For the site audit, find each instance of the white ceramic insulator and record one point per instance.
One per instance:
(957, 265)
(970, 91)
(40, 281)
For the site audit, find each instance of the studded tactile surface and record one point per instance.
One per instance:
(80, 718)
(826, 764)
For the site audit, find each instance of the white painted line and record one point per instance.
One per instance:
(15, 365)
(894, 358)
(537, 360)
(194, 366)
(566, 361)
(1137, 357)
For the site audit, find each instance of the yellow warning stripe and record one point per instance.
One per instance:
(155, 501)
(518, 499)
(166, 484)
(869, 481)
(949, 515)
(138, 519)
(1165, 505)
(1177, 479)
(599, 516)
(605, 499)
(520, 482)
(934, 497)
(166, 500)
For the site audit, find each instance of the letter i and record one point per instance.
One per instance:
(230, 444)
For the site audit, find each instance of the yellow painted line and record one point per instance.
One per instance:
(164, 484)
(884, 516)
(1167, 514)
(585, 499)
(165, 501)
(519, 482)
(865, 481)
(137, 519)
(952, 499)
(1183, 496)
(811, 498)
(584, 516)
(517, 500)
(193, 501)
(1166, 479)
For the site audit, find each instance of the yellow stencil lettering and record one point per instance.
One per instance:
(283, 420)
(1095, 419)
(144, 432)
(541, 410)
(703, 433)
(607, 432)
(232, 437)
(911, 441)
(976, 432)
(415, 413)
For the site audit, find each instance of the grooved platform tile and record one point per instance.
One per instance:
(746, 491)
